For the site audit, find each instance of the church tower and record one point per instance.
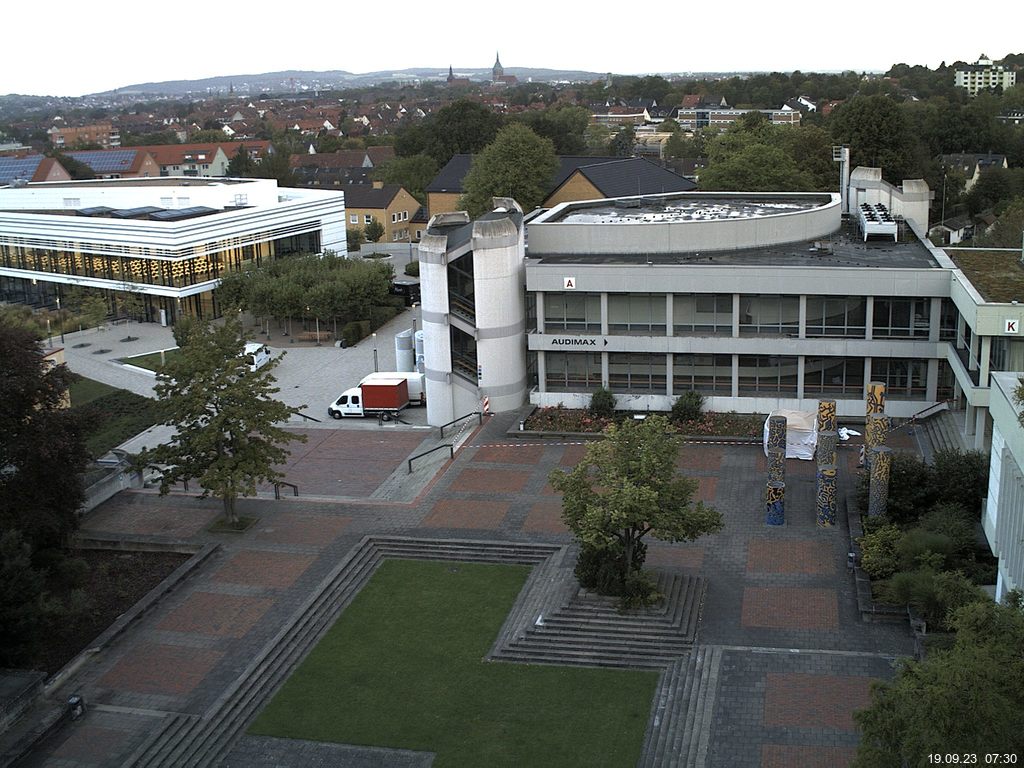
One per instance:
(497, 71)
(451, 74)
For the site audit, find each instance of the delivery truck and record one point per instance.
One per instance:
(380, 397)
(417, 390)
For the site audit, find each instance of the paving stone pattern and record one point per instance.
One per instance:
(187, 677)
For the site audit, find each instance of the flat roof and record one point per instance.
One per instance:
(843, 248)
(997, 275)
(147, 181)
(690, 208)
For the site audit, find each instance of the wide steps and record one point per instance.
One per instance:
(582, 659)
(203, 742)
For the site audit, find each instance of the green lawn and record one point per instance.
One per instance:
(403, 667)
(110, 415)
(151, 361)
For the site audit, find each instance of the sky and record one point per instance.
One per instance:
(72, 53)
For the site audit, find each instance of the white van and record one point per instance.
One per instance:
(256, 355)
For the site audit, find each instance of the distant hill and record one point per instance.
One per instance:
(303, 80)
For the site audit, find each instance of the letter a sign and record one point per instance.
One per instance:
(568, 283)
(1012, 326)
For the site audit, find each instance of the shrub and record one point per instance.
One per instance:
(953, 590)
(919, 547)
(951, 519)
(355, 238)
(412, 269)
(688, 406)
(961, 477)
(352, 333)
(879, 551)
(936, 596)
(380, 315)
(603, 570)
(602, 404)
(21, 596)
(911, 484)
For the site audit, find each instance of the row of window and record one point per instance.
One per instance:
(368, 217)
(756, 375)
(754, 314)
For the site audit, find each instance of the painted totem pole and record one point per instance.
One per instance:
(827, 460)
(775, 491)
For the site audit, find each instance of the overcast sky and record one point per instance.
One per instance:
(70, 53)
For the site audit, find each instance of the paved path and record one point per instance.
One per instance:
(792, 660)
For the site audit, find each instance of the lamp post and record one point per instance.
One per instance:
(375, 368)
(59, 315)
(414, 305)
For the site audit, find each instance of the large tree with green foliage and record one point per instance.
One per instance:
(42, 454)
(463, 127)
(626, 487)
(373, 231)
(967, 699)
(878, 133)
(228, 425)
(413, 173)
(22, 611)
(564, 125)
(517, 164)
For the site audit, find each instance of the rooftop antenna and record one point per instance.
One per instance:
(841, 155)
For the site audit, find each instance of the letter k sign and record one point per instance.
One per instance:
(1012, 326)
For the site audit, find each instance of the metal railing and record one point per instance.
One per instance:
(277, 489)
(449, 446)
(310, 418)
(478, 414)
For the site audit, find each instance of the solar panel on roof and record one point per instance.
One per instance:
(12, 168)
(181, 214)
(135, 213)
(96, 210)
(106, 161)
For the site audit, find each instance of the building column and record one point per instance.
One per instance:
(869, 324)
(542, 372)
(604, 370)
(935, 319)
(970, 415)
(539, 299)
(669, 315)
(932, 381)
(980, 428)
(604, 314)
(800, 371)
(867, 377)
(802, 334)
(668, 375)
(735, 376)
(961, 324)
(985, 354)
(735, 327)
(972, 363)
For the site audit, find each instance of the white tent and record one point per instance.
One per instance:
(801, 433)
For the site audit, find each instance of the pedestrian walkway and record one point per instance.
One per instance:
(777, 664)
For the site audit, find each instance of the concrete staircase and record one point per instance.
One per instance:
(590, 630)
(679, 729)
(943, 431)
(190, 741)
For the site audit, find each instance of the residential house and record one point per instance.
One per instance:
(189, 159)
(972, 165)
(983, 75)
(578, 177)
(105, 135)
(952, 231)
(118, 163)
(31, 168)
(390, 204)
(349, 166)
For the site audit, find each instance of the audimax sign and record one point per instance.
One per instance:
(577, 342)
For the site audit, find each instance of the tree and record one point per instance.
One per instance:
(755, 168)
(877, 130)
(21, 598)
(276, 165)
(226, 419)
(41, 449)
(373, 231)
(1008, 229)
(354, 237)
(241, 165)
(621, 144)
(78, 170)
(413, 173)
(627, 487)
(517, 164)
(564, 125)
(463, 127)
(965, 699)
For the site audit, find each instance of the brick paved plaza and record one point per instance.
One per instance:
(796, 660)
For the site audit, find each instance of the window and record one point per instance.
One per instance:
(702, 314)
(901, 318)
(767, 375)
(72, 202)
(636, 314)
(905, 379)
(842, 376)
(711, 374)
(769, 315)
(840, 316)
(948, 317)
(636, 372)
(572, 312)
(405, 215)
(572, 371)
(367, 218)
(394, 218)
(353, 219)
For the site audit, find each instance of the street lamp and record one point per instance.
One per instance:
(59, 315)
(317, 318)
(375, 368)
(414, 305)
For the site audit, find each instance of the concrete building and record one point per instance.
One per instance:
(758, 301)
(169, 239)
(106, 135)
(390, 204)
(983, 75)
(1003, 515)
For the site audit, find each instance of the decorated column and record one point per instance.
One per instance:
(878, 489)
(825, 451)
(876, 430)
(774, 506)
(876, 397)
(826, 415)
(825, 503)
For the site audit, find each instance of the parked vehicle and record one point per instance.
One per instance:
(381, 397)
(417, 385)
(256, 355)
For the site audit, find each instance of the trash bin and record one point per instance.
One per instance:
(76, 706)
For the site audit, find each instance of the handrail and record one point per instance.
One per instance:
(449, 446)
(937, 407)
(478, 414)
(277, 489)
(297, 412)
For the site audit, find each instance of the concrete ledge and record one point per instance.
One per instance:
(200, 553)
